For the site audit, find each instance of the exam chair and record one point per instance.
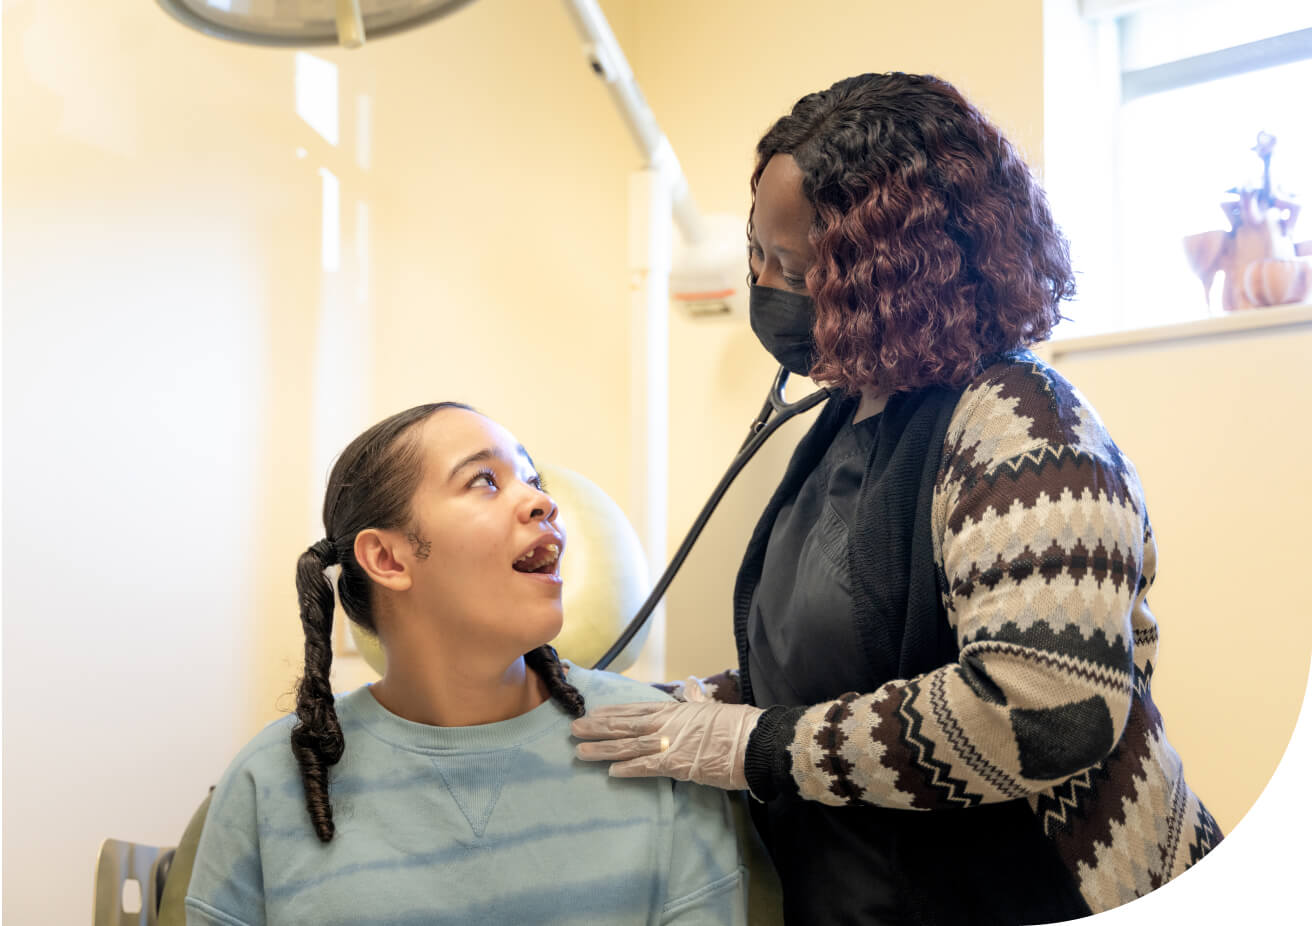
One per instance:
(160, 874)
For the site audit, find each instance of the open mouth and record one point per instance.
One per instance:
(542, 559)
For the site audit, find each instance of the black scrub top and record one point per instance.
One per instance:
(837, 865)
(803, 646)
(864, 865)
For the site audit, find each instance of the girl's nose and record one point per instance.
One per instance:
(542, 507)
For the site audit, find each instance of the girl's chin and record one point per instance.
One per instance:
(538, 630)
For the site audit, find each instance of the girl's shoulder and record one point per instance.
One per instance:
(269, 751)
(600, 688)
(269, 745)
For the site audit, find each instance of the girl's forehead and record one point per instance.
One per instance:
(453, 435)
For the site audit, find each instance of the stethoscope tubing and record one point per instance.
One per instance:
(762, 427)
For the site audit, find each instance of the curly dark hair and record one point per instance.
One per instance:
(371, 486)
(935, 247)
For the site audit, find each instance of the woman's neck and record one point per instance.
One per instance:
(448, 693)
(872, 403)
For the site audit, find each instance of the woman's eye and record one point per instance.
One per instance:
(537, 483)
(484, 477)
(795, 282)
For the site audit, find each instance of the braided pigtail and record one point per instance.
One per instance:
(371, 486)
(317, 740)
(546, 664)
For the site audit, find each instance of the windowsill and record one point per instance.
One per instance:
(1247, 320)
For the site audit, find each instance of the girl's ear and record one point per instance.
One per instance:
(384, 555)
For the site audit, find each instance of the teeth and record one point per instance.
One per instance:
(552, 553)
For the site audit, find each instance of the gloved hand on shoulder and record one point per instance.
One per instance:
(697, 740)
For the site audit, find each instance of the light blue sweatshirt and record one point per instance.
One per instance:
(496, 823)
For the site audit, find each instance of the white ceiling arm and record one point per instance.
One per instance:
(607, 59)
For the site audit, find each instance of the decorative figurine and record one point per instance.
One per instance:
(1262, 264)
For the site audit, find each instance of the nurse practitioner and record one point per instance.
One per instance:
(945, 648)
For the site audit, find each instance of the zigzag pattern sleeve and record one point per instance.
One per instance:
(1042, 554)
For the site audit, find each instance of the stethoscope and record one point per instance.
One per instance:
(762, 427)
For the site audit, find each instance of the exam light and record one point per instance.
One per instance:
(306, 22)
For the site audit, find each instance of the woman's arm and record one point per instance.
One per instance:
(1042, 539)
(1042, 555)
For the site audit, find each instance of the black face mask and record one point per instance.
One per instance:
(784, 323)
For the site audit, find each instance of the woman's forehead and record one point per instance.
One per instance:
(781, 209)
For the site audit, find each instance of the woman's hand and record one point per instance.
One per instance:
(700, 741)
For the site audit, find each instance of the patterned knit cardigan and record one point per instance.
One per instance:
(1047, 556)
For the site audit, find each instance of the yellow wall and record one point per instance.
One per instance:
(502, 280)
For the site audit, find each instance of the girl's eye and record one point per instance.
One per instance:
(538, 483)
(484, 477)
(795, 282)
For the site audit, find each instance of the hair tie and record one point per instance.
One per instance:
(326, 551)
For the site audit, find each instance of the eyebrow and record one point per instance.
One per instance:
(789, 251)
(487, 453)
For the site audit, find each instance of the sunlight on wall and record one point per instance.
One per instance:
(343, 368)
(330, 224)
(316, 95)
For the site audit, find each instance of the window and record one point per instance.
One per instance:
(1169, 97)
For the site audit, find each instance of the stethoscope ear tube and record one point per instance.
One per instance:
(761, 429)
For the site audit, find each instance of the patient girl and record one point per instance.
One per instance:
(448, 791)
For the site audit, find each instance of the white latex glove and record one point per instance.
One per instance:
(701, 741)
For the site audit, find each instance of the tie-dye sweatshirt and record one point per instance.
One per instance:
(497, 823)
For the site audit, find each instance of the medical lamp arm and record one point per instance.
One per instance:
(607, 60)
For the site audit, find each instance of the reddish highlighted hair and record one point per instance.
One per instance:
(935, 245)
